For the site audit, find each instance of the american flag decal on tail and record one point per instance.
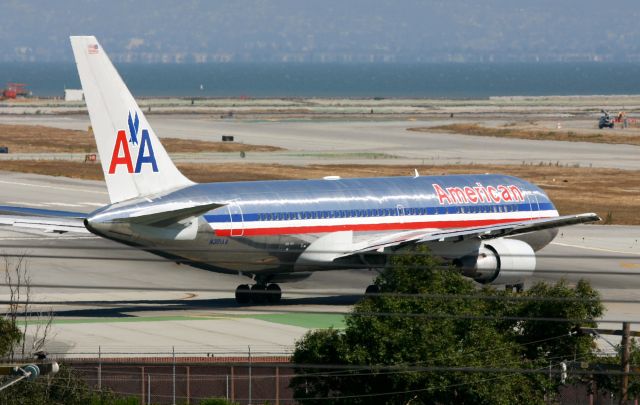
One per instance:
(93, 48)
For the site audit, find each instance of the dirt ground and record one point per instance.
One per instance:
(611, 193)
(39, 139)
(630, 136)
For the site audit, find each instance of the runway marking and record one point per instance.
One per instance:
(628, 265)
(53, 187)
(26, 203)
(64, 204)
(49, 204)
(595, 248)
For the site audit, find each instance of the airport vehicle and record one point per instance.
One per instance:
(605, 120)
(277, 231)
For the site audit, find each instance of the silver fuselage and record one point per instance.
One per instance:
(264, 228)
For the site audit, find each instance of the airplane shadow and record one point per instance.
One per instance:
(137, 308)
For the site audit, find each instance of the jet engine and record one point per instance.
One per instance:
(500, 261)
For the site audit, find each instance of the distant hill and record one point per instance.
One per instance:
(325, 30)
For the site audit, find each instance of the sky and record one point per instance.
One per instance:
(344, 31)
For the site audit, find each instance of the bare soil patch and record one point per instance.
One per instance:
(40, 139)
(613, 194)
(523, 133)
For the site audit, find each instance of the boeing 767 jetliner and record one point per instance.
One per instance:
(274, 231)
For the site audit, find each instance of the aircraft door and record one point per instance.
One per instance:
(236, 219)
(534, 206)
(400, 212)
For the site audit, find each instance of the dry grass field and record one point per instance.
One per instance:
(40, 139)
(613, 194)
(515, 131)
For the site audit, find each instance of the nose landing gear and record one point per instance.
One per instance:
(258, 294)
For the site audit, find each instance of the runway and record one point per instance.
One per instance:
(107, 293)
(128, 314)
(364, 142)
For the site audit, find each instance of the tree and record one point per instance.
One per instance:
(23, 333)
(610, 383)
(33, 327)
(416, 342)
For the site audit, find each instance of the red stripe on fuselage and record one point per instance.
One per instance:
(293, 230)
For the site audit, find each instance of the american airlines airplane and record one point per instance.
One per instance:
(276, 231)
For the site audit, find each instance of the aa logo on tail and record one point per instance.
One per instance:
(123, 148)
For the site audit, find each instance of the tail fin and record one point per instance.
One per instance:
(133, 160)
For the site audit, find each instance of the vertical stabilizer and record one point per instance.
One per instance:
(133, 160)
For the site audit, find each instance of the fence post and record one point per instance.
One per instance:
(148, 389)
(142, 385)
(277, 385)
(173, 351)
(100, 370)
(188, 385)
(233, 385)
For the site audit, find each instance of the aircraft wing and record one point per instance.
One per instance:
(44, 220)
(482, 232)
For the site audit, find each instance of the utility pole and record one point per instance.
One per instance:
(626, 344)
(250, 388)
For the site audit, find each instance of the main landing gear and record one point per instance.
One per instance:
(518, 287)
(258, 293)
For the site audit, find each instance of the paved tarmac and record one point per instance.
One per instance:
(107, 310)
(364, 142)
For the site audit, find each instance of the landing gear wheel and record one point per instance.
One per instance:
(258, 293)
(519, 287)
(274, 294)
(243, 294)
(372, 289)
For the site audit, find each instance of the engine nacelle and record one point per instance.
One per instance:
(502, 261)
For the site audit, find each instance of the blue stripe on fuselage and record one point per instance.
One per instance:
(417, 211)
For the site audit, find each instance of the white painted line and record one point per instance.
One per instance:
(53, 187)
(595, 248)
(26, 203)
(93, 204)
(63, 204)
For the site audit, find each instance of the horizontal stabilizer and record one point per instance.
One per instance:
(39, 212)
(53, 225)
(168, 214)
